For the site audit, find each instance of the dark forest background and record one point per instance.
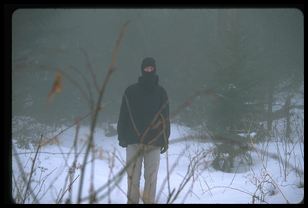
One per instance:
(250, 60)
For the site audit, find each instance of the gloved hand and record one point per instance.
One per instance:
(122, 144)
(163, 149)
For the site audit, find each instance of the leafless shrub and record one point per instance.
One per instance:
(197, 161)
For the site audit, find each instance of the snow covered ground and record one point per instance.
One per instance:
(192, 179)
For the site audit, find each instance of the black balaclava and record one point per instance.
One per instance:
(148, 62)
(148, 79)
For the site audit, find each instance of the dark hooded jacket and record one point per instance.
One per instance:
(144, 114)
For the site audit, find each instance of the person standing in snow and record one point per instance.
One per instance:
(144, 129)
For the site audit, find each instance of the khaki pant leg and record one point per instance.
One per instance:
(133, 173)
(151, 166)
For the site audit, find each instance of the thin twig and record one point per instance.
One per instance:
(51, 153)
(70, 126)
(89, 67)
(44, 179)
(226, 187)
(98, 104)
(18, 195)
(169, 171)
(88, 86)
(32, 169)
(68, 188)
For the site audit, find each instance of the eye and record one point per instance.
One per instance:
(149, 69)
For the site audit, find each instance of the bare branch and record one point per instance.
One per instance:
(69, 187)
(32, 170)
(88, 86)
(89, 67)
(98, 104)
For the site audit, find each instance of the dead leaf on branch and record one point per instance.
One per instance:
(56, 87)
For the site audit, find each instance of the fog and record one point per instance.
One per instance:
(194, 49)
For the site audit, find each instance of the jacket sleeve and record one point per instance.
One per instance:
(122, 123)
(165, 113)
